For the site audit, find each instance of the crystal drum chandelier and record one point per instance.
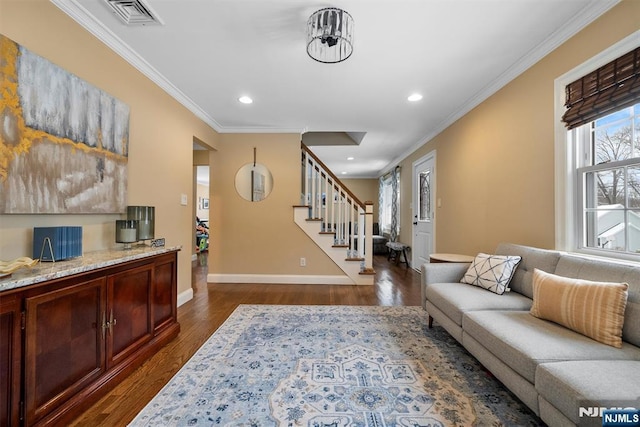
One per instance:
(330, 35)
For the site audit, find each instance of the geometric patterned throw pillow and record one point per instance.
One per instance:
(492, 272)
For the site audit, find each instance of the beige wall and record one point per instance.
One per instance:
(201, 157)
(260, 237)
(495, 165)
(365, 189)
(161, 135)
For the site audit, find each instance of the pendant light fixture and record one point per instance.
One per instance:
(330, 35)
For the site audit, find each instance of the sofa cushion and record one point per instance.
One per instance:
(594, 309)
(583, 268)
(541, 259)
(491, 272)
(589, 383)
(454, 299)
(523, 341)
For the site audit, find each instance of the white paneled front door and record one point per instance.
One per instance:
(424, 188)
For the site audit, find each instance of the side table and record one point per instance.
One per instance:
(450, 258)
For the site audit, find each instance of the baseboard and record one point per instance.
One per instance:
(185, 296)
(279, 279)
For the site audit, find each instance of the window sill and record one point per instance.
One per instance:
(624, 259)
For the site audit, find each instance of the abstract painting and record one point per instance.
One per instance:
(63, 142)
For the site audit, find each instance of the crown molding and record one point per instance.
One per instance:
(260, 129)
(579, 21)
(78, 13)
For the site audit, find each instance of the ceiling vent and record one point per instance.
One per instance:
(134, 12)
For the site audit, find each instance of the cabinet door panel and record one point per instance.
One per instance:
(64, 349)
(164, 294)
(9, 362)
(129, 312)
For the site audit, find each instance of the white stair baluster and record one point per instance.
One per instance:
(352, 228)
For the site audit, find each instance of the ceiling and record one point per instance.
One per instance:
(456, 53)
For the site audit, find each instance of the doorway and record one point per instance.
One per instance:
(423, 190)
(202, 209)
(202, 203)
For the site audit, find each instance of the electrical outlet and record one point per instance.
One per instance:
(303, 262)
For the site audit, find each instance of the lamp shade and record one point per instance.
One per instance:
(146, 216)
(330, 35)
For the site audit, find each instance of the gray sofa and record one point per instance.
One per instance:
(552, 369)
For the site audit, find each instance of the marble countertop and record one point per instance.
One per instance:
(44, 271)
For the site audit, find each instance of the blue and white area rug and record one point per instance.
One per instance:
(321, 366)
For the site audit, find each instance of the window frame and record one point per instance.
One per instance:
(569, 154)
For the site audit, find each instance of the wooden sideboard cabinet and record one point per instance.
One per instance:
(82, 335)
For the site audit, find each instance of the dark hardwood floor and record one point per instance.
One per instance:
(210, 307)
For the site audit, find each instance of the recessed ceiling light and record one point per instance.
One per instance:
(350, 158)
(344, 172)
(414, 97)
(245, 100)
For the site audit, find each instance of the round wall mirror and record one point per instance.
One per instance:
(254, 182)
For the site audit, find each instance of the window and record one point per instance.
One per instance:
(608, 175)
(424, 209)
(389, 204)
(386, 197)
(597, 162)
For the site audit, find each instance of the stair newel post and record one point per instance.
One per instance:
(368, 240)
(362, 221)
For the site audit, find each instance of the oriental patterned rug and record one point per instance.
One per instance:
(332, 366)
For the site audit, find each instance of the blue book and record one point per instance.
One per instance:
(57, 243)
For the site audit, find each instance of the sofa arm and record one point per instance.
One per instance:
(441, 272)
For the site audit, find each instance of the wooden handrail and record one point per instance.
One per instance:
(332, 176)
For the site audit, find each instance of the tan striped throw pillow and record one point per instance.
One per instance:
(594, 309)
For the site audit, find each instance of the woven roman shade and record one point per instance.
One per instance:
(611, 87)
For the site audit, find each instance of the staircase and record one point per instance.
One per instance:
(334, 218)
